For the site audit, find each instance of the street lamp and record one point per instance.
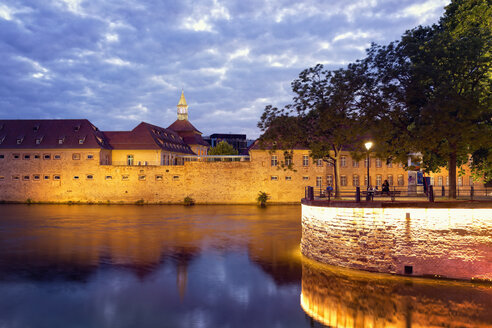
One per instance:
(368, 147)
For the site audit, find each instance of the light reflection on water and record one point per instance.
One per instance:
(171, 266)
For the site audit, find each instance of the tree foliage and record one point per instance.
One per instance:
(323, 117)
(223, 148)
(435, 89)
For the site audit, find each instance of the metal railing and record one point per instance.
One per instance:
(402, 193)
(217, 158)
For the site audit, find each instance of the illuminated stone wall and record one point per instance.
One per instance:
(344, 298)
(454, 243)
(84, 180)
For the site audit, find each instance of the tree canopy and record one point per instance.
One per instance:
(428, 93)
(222, 148)
(435, 89)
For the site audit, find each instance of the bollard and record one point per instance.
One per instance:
(431, 194)
(357, 194)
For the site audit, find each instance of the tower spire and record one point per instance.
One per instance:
(182, 108)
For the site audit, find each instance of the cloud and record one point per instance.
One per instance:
(101, 60)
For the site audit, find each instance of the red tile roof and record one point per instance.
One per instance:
(188, 132)
(183, 126)
(148, 136)
(47, 134)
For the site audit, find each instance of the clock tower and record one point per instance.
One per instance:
(182, 108)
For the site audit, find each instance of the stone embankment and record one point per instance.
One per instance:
(444, 239)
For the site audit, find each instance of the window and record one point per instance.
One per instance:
(37, 156)
(19, 140)
(379, 180)
(158, 177)
(390, 179)
(129, 159)
(288, 159)
(367, 162)
(2, 178)
(38, 140)
(274, 161)
(319, 162)
(305, 178)
(401, 182)
(90, 156)
(27, 156)
(90, 177)
(431, 181)
(439, 181)
(46, 177)
(343, 161)
(355, 163)
(329, 180)
(16, 156)
(2, 156)
(460, 181)
(16, 177)
(343, 180)
(125, 177)
(389, 163)
(57, 156)
(318, 181)
(56, 177)
(305, 160)
(288, 178)
(81, 141)
(355, 180)
(378, 162)
(365, 180)
(25, 178)
(274, 178)
(75, 177)
(471, 181)
(60, 141)
(36, 177)
(447, 180)
(176, 177)
(75, 156)
(400, 164)
(46, 156)
(108, 177)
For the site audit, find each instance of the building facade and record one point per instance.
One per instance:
(73, 161)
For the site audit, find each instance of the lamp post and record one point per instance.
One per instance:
(368, 147)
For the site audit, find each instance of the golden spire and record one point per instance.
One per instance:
(182, 107)
(182, 100)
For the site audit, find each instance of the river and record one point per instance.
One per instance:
(200, 266)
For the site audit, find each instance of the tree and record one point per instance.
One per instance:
(434, 87)
(222, 148)
(324, 116)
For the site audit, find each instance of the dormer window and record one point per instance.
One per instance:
(19, 140)
(35, 128)
(81, 140)
(61, 140)
(76, 128)
(2, 139)
(38, 140)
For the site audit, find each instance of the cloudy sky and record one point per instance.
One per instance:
(120, 62)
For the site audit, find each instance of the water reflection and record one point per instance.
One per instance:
(130, 266)
(204, 266)
(348, 298)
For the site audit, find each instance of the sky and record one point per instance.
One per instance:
(120, 62)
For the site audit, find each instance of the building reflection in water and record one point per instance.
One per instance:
(348, 298)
